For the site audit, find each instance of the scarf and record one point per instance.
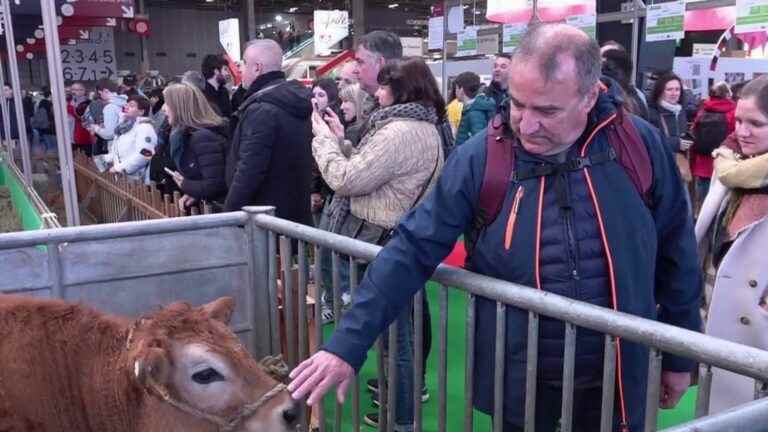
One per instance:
(340, 206)
(125, 126)
(747, 177)
(674, 108)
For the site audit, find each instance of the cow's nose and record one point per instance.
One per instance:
(291, 414)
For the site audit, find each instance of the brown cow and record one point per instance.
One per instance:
(66, 367)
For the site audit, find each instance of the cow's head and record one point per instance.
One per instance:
(192, 356)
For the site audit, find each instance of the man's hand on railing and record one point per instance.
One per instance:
(317, 375)
(673, 386)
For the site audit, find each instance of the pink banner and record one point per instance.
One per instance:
(710, 19)
(515, 14)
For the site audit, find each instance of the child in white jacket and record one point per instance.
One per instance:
(135, 140)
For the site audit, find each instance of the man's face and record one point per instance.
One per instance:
(547, 116)
(223, 75)
(250, 68)
(78, 90)
(132, 110)
(7, 92)
(348, 75)
(368, 66)
(104, 94)
(501, 70)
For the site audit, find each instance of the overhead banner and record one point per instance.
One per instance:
(751, 16)
(98, 8)
(521, 11)
(331, 27)
(466, 42)
(92, 59)
(664, 21)
(587, 23)
(512, 33)
(229, 36)
(436, 33)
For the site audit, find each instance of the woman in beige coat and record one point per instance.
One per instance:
(733, 224)
(398, 160)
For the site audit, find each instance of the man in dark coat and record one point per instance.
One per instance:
(270, 159)
(585, 233)
(8, 96)
(497, 90)
(216, 73)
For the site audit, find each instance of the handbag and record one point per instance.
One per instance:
(681, 158)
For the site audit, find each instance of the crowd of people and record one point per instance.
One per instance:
(605, 194)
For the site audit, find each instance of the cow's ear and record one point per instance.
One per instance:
(151, 363)
(220, 309)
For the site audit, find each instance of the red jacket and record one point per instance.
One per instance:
(81, 136)
(702, 166)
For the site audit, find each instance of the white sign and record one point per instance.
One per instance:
(92, 59)
(330, 28)
(587, 23)
(511, 36)
(412, 46)
(664, 21)
(751, 16)
(694, 72)
(704, 50)
(436, 33)
(229, 36)
(466, 42)
(456, 19)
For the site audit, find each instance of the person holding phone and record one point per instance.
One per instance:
(135, 138)
(198, 145)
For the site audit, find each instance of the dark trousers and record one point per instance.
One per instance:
(586, 410)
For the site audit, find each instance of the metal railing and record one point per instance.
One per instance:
(708, 351)
(252, 242)
(109, 198)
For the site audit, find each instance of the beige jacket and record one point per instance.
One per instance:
(386, 173)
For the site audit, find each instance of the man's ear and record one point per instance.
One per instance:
(591, 97)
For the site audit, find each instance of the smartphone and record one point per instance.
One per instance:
(315, 106)
(146, 152)
(170, 171)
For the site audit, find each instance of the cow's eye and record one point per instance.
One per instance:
(207, 376)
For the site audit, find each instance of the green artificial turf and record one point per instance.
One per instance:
(457, 301)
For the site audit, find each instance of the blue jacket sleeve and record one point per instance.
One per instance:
(678, 276)
(424, 237)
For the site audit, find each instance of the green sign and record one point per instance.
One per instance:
(512, 35)
(751, 16)
(665, 21)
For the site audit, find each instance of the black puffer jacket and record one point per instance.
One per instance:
(202, 163)
(674, 127)
(270, 160)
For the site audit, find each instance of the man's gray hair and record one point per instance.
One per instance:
(268, 53)
(547, 43)
(383, 43)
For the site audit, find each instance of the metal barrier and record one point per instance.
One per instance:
(708, 351)
(99, 266)
(109, 198)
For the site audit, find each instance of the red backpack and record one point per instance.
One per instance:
(626, 146)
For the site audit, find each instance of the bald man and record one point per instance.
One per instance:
(270, 159)
(580, 228)
(348, 75)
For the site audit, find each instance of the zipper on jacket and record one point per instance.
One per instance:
(512, 219)
(569, 229)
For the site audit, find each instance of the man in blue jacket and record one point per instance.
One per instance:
(587, 234)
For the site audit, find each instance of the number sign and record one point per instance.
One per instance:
(92, 59)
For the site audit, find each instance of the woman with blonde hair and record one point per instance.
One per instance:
(198, 144)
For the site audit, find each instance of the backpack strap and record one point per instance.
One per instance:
(631, 153)
(499, 164)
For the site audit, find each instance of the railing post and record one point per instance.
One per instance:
(257, 295)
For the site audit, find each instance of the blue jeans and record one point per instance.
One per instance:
(326, 265)
(47, 143)
(404, 363)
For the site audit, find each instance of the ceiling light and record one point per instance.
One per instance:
(293, 9)
(393, 5)
(279, 18)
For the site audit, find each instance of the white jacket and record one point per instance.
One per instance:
(735, 313)
(125, 152)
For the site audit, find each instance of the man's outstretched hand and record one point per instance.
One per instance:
(317, 375)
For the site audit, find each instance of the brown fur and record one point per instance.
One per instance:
(66, 367)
